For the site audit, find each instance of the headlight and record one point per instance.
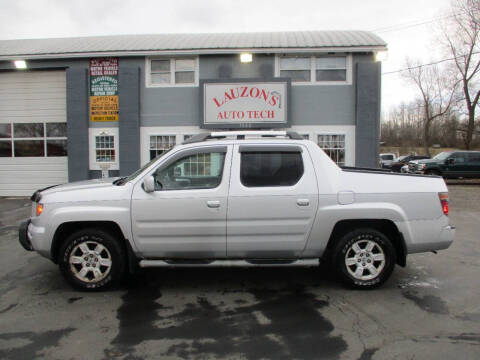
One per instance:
(39, 209)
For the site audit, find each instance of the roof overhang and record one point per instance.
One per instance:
(122, 53)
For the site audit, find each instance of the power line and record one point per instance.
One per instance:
(428, 64)
(410, 24)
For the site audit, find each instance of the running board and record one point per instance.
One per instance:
(228, 263)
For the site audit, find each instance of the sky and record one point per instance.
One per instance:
(393, 20)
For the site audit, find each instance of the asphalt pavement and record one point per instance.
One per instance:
(428, 310)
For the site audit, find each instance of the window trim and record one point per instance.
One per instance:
(160, 134)
(313, 80)
(344, 142)
(92, 133)
(148, 71)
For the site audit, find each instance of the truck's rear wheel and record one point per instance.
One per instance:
(92, 259)
(364, 258)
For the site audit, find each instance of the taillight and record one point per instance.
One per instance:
(39, 209)
(444, 202)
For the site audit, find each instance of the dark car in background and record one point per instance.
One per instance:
(450, 164)
(404, 160)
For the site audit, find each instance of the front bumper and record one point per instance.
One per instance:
(23, 236)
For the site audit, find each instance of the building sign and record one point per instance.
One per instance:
(104, 89)
(243, 104)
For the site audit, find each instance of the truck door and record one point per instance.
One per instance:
(185, 217)
(272, 201)
(459, 167)
(474, 164)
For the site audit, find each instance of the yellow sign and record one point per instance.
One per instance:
(104, 108)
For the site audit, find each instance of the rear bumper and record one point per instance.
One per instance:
(427, 235)
(446, 237)
(441, 241)
(23, 236)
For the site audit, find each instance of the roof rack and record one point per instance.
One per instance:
(240, 135)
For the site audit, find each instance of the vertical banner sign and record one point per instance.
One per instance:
(104, 89)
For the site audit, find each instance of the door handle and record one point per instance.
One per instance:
(213, 204)
(303, 202)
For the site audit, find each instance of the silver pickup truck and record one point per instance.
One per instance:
(239, 199)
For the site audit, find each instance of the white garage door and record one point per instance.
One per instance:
(33, 131)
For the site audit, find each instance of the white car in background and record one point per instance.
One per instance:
(386, 159)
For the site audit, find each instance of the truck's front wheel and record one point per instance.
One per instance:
(92, 259)
(364, 258)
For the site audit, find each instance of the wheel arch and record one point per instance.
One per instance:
(385, 226)
(67, 228)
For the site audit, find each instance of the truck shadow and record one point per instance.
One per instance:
(232, 279)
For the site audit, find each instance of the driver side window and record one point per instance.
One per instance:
(458, 157)
(197, 171)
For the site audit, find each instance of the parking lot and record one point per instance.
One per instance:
(429, 309)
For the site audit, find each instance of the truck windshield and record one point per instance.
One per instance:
(387, 157)
(139, 171)
(442, 155)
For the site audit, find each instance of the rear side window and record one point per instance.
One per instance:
(459, 157)
(261, 169)
(474, 157)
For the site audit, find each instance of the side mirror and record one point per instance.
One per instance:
(149, 184)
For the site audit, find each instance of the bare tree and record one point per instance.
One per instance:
(461, 37)
(437, 89)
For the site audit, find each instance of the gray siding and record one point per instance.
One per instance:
(310, 105)
(77, 123)
(229, 66)
(356, 104)
(367, 114)
(129, 119)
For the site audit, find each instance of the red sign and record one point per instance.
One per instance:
(245, 104)
(104, 66)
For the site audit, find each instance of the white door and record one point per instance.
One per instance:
(33, 131)
(185, 217)
(272, 201)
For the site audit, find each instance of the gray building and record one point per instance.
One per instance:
(76, 108)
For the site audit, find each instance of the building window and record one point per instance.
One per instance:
(160, 144)
(318, 69)
(331, 68)
(104, 148)
(33, 139)
(172, 72)
(334, 146)
(186, 137)
(295, 68)
(305, 136)
(261, 169)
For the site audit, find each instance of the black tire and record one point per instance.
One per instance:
(361, 236)
(115, 252)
